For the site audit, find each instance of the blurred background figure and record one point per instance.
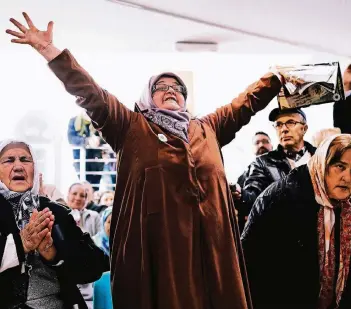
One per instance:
(321, 135)
(107, 198)
(84, 138)
(87, 220)
(102, 289)
(93, 198)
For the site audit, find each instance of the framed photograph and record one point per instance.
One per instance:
(310, 84)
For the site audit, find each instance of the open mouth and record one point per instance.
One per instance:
(171, 99)
(18, 178)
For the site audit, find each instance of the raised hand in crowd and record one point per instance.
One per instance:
(41, 41)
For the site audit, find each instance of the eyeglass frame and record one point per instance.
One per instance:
(153, 89)
(292, 124)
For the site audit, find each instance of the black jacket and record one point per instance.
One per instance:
(342, 115)
(266, 169)
(83, 261)
(280, 245)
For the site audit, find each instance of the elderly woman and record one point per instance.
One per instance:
(174, 238)
(297, 241)
(88, 220)
(40, 245)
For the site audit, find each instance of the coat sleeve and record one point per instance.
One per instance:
(254, 185)
(342, 115)
(108, 115)
(83, 261)
(229, 119)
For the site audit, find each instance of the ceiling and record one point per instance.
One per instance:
(155, 25)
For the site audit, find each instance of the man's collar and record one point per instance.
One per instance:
(311, 149)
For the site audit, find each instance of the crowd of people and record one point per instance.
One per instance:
(175, 234)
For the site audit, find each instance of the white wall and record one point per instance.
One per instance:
(28, 84)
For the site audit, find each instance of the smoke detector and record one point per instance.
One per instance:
(195, 46)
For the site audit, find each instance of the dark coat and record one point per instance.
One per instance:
(280, 243)
(174, 237)
(342, 115)
(263, 171)
(83, 261)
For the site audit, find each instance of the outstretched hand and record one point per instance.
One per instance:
(32, 36)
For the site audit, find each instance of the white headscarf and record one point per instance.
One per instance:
(23, 203)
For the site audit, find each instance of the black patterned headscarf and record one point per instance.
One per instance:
(23, 203)
(175, 122)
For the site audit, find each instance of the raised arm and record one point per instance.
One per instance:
(108, 115)
(229, 119)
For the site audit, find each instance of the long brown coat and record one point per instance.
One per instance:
(173, 234)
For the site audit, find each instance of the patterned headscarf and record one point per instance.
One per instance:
(101, 239)
(23, 203)
(175, 122)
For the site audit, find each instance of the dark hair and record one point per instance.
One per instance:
(262, 133)
(78, 184)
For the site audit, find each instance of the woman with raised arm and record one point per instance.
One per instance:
(174, 238)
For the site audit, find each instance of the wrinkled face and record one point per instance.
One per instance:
(292, 132)
(17, 168)
(170, 99)
(107, 199)
(338, 178)
(261, 144)
(107, 225)
(77, 197)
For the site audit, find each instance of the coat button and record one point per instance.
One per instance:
(162, 138)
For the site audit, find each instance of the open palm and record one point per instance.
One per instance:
(31, 35)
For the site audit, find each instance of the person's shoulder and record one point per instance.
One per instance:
(291, 186)
(55, 207)
(91, 213)
(267, 157)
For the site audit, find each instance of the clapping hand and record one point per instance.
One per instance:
(36, 235)
(40, 224)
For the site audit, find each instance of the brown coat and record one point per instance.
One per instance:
(174, 238)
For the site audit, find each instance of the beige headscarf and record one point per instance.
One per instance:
(317, 166)
(317, 170)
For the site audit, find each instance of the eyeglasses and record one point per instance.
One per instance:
(163, 87)
(289, 124)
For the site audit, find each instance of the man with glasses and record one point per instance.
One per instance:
(292, 151)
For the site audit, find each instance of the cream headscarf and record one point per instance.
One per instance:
(317, 169)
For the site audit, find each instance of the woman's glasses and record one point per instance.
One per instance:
(163, 87)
